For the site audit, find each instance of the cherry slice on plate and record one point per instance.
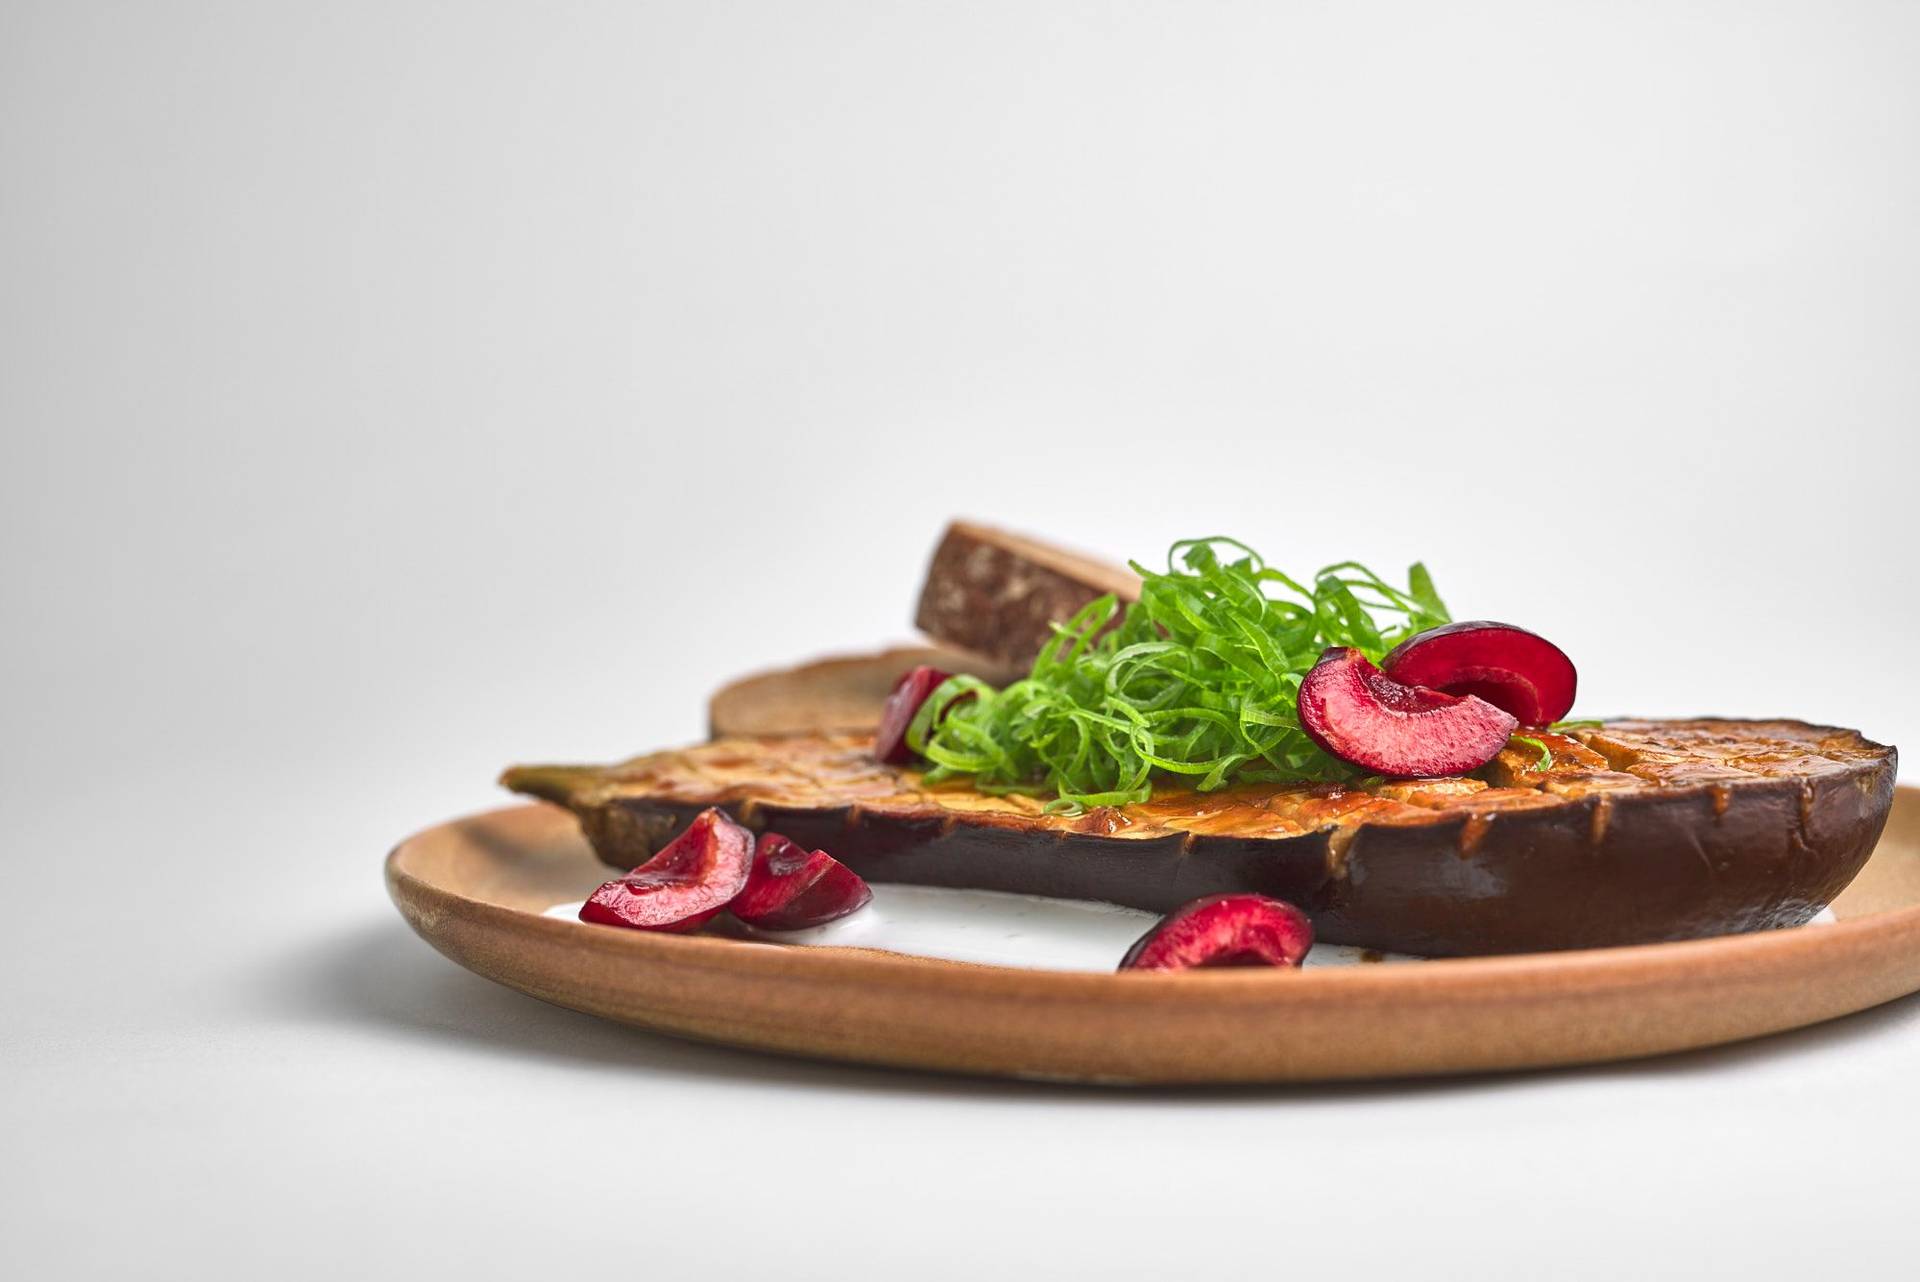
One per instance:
(685, 885)
(1224, 930)
(1363, 717)
(1511, 668)
(792, 889)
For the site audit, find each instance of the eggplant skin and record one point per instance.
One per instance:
(1643, 831)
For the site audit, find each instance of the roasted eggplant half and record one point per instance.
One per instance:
(1638, 831)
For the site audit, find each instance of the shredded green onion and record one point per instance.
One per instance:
(1197, 681)
(1545, 761)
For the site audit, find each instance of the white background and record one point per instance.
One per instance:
(392, 391)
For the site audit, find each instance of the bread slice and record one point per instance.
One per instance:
(997, 594)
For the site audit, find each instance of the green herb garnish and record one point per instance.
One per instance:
(1199, 680)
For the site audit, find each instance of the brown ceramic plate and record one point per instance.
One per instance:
(475, 890)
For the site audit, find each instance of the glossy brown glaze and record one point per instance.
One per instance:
(1638, 832)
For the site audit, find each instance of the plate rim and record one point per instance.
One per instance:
(1627, 962)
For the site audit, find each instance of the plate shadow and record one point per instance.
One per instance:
(381, 977)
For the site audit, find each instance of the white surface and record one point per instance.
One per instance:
(991, 928)
(393, 391)
(998, 929)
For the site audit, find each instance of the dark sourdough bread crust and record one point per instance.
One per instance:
(998, 594)
(1641, 831)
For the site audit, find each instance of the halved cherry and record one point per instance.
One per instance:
(909, 692)
(685, 885)
(791, 888)
(1509, 667)
(1224, 930)
(1349, 708)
